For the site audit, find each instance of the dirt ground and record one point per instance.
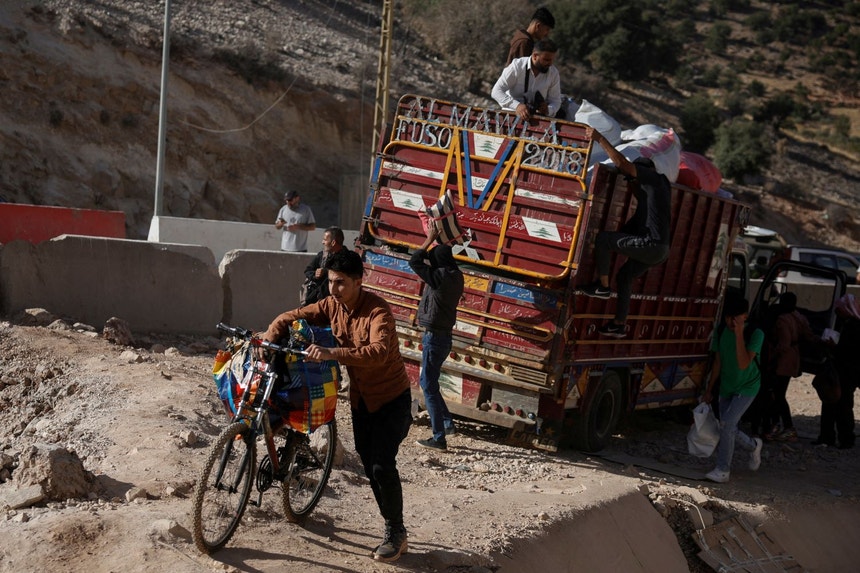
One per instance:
(141, 420)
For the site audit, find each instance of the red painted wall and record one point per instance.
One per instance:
(36, 223)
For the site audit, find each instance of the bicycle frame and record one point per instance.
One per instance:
(301, 468)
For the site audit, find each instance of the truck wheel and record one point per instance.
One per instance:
(593, 425)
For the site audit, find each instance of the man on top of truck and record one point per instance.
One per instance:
(531, 85)
(523, 42)
(644, 239)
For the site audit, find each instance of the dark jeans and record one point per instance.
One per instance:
(838, 419)
(436, 346)
(761, 415)
(780, 410)
(641, 255)
(377, 440)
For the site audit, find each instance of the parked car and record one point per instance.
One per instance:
(764, 246)
(823, 257)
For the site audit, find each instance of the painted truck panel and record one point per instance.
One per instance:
(526, 352)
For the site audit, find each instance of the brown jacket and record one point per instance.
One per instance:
(367, 345)
(522, 45)
(790, 329)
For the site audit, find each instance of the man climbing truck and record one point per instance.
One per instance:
(522, 209)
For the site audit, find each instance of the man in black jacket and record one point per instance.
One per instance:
(315, 286)
(644, 239)
(437, 313)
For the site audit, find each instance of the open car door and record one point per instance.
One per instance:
(817, 302)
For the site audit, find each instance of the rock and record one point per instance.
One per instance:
(18, 497)
(131, 357)
(167, 528)
(136, 493)
(35, 317)
(117, 330)
(59, 324)
(188, 437)
(59, 473)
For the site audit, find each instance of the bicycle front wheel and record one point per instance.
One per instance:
(310, 457)
(224, 487)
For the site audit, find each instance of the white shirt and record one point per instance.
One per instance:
(509, 90)
(295, 241)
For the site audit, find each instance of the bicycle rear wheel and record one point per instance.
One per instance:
(310, 457)
(224, 487)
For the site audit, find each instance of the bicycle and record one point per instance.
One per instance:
(300, 463)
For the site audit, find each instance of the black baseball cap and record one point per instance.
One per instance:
(290, 195)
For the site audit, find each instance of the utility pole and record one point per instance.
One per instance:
(383, 74)
(162, 112)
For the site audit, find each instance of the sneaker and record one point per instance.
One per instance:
(613, 330)
(755, 455)
(393, 545)
(787, 435)
(595, 290)
(718, 476)
(451, 429)
(432, 444)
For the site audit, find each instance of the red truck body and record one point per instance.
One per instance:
(526, 351)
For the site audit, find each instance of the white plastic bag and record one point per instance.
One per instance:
(704, 434)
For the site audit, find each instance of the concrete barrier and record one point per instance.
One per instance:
(223, 236)
(259, 285)
(155, 287)
(37, 223)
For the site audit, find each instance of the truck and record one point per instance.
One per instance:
(526, 354)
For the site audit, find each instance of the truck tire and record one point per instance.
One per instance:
(593, 425)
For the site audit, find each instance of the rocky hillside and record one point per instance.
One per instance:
(266, 95)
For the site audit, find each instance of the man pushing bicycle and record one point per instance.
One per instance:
(379, 394)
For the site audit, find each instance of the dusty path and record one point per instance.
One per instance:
(143, 418)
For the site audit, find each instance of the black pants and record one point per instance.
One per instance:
(780, 410)
(840, 415)
(641, 253)
(377, 440)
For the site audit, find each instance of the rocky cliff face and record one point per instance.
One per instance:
(80, 105)
(266, 95)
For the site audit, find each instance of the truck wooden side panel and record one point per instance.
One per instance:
(526, 346)
(517, 187)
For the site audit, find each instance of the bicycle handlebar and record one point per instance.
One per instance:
(248, 335)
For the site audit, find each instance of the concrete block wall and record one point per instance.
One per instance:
(224, 236)
(259, 285)
(155, 287)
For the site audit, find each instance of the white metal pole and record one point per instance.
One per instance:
(162, 115)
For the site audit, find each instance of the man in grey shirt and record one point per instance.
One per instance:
(295, 220)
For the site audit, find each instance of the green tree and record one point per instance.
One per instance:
(777, 110)
(742, 148)
(756, 88)
(622, 40)
(699, 119)
(718, 37)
